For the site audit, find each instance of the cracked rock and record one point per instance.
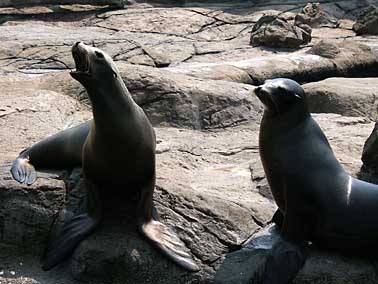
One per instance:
(278, 32)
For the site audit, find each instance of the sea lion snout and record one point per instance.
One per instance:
(261, 91)
(82, 62)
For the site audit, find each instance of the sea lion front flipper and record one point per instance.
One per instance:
(283, 262)
(159, 235)
(75, 229)
(73, 232)
(22, 170)
(166, 241)
(278, 218)
(289, 253)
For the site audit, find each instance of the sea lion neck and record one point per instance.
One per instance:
(288, 119)
(110, 100)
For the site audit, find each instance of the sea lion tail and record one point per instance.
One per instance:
(73, 232)
(23, 171)
(160, 236)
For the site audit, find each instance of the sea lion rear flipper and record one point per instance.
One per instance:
(22, 170)
(283, 262)
(168, 243)
(73, 232)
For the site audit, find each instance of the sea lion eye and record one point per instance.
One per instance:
(99, 54)
(282, 89)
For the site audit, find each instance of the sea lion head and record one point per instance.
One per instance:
(92, 65)
(281, 95)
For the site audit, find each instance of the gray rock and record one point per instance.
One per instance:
(278, 32)
(27, 213)
(324, 48)
(367, 22)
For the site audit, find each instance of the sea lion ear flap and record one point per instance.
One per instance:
(115, 75)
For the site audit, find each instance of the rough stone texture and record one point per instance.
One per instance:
(352, 96)
(180, 100)
(192, 69)
(277, 32)
(18, 3)
(325, 48)
(367, 22)
(314, 15)
(244, 266)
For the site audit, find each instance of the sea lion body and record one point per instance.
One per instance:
(317, 199)
(337, 205)
(117, 153)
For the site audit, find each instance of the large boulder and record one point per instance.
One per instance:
(345, 96)
(278, 32)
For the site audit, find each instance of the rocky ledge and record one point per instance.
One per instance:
(193, 71)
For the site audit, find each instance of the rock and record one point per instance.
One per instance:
(315, 16)
(277, 32)
(349, 59)
(245, 265)
(180, 100)
(348, 97)
(18, 3)
(323, 48)
(367, 22)
(27, 212)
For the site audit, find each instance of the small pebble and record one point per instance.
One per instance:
(12, 272)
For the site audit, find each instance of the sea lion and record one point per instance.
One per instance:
(318, 201)
(116, 149)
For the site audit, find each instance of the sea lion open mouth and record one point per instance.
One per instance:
(80, 56)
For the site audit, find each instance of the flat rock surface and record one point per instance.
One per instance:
(193, 71)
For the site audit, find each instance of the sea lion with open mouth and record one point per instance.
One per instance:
(116, 149)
